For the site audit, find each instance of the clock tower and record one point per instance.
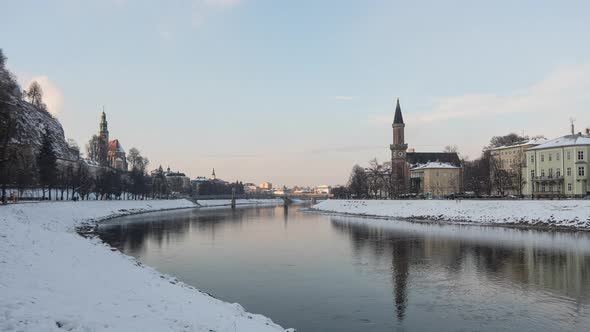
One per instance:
(400, 174)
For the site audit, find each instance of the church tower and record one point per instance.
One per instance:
(400, 174)
(103, 130)
(103, 141)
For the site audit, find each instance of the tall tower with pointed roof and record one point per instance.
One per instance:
(399, 167)
(103, 130)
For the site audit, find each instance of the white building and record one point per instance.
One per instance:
(559, 167)
(323, 189)
(266, 185)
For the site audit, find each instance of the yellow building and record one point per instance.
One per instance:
(436, 179)
(559, 167)
(511, 160)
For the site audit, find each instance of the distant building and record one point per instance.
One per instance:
(197, 182)
(178, 182)
(436, 179)
(323, 189)
(112, 150)
(250, 188)
(266, 185)
(403, 160)
(559, 167)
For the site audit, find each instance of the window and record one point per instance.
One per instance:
(581, 171)
(569, 155)
(550, 157)
(557, 156)
(569, 187)
(542, 158)
(558, 172)
(569, 171)
(580, 155)
(551, 172)
(532, 158)
(543, 187)
(542, 173)
(532, 173)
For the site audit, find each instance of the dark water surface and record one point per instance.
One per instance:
(325, 273)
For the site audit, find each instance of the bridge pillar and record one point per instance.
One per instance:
(233, 198)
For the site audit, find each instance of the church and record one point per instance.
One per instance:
(115, 154)
(434, 174)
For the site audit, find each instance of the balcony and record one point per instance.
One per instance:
(548, 178)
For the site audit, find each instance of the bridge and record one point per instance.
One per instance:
(287, 198)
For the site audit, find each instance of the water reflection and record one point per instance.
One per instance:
(325, 273)
(558, 266)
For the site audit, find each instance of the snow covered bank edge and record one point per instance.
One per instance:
(553, 215)
(39, 249)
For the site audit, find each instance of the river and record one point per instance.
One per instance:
(317, 272)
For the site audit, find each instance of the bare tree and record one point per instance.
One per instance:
(136, 161)
(358, 182)
(518, 174)
(451, 149)
(502, 180)
(35, 95)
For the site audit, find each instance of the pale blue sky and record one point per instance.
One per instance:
(296, 92)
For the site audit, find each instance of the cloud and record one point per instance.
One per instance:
(565, 89)
(52, 95)
(344, 98)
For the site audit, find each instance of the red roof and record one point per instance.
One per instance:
(114, 145)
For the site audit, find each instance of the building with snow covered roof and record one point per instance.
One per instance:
(559, 167)
(435, 179)
(510, 159)
(403, 160)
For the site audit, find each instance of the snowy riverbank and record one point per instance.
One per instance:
(574, 214)
(52, 279)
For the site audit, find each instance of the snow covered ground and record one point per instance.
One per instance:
(565, 213)
(52, 279)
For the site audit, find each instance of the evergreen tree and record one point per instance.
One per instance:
(47, 163)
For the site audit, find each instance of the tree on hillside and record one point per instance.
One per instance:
(35, 95)
(47, 164)
(9, 96)
(358, 182)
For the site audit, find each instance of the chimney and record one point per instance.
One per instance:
(573, 132)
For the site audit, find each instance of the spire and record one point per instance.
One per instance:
(213, 174)
(398, 119)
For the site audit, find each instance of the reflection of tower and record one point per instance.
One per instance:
(400, 266)
(285, 214)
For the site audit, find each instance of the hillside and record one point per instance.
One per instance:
(31, 124)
